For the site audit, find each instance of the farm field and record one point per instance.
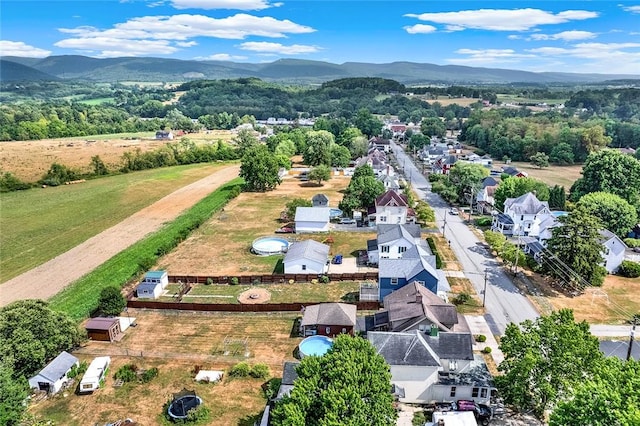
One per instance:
(222, 245)
(175, 344)
(39, 224)
(29, 160)
(552, 175)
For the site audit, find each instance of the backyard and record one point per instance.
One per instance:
(175, 343)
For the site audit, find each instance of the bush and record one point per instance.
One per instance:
(324, 279)
(461, 299)
(77, 370)
(149, 375)
(126, 373)
(481, 338)
(9, 182)
(486, 350)
(260, 371)
(271, 388)
(241, 369)
(434, 250)
(209, 281)
(632, 242)
(483, 221)
(419, 418)
(629, 269)
(111, 301)
(234, 280)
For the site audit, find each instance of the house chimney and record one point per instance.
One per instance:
(434, 331)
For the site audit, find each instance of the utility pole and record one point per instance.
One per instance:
(515, 262)
(631, 337)
(444, 225)
(484, 292)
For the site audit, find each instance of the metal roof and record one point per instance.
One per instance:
(58, 367)
(307, 249)
(312, 214)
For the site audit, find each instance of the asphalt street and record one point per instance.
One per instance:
(503, 301)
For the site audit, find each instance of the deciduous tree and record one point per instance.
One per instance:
(13, 392)
(367, 123)
(562, 154)
(320, 173)
(318, 150)
(513, 187)
(294, 204)
(340, 156)
(545, 359)
(349, 385)
(259, 168)
(539, 159)
(111, 301)
(467, 179)
(615, 213)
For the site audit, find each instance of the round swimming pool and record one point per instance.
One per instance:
(266, 246)
(335, 213)
(315, 345)
(180, 407)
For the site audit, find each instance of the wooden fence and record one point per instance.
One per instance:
(271, 278)
(232, 307)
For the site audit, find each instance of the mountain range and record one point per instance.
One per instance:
(149, 69)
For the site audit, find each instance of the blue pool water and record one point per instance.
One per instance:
(315, 345)
(559, 213)
(333, 213)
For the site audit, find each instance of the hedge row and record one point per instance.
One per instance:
(80, 299)
(434, 250)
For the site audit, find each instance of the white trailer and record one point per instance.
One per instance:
(96, 372)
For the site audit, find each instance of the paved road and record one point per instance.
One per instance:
(504, 302)
(605, 330)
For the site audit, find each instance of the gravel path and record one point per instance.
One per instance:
(51, 277)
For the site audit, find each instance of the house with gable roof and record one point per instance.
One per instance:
(312, 219)
(485, 195)
(417, 264)
(513, 172)
(613, 250)
(435, 366)
(380, 144)
(53, 376)
(306, 257)
(520, 215)
(393, 241)
(319, 200)
(391, 208)
(443, 164)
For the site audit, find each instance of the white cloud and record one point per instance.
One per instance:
(565, 36)
(488, 57)
(105, 47)
(502, 19)
(514, 37)
(268, 47)
(186, 43)
(19, 48)
(632, 9)
(222, 4)
(420, 29)
(598, 57)
(221, 57)
(185, 26)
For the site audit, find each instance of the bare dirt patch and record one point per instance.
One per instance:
(51, 277)
(29, 160)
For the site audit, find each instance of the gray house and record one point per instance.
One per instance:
(319, 200)
(306, 257)
(328, 319)
(54, 376)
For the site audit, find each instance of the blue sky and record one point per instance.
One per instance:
(542, 35)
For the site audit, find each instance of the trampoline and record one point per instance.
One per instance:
(267, 246)
(182, 403)
(315, 346)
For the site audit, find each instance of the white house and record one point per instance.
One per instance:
(433, 366)
(95, 373)
(390, 208)
(520, 215)
(312, 219)
(54, 376)
(306, 257)
(614, 249)
(393, 241)
(152, 285)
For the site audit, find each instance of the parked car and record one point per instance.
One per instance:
(347, 221)
(454, 211)
(285, 230)
(337, 259)
(482, 412)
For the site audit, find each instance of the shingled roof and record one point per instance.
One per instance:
(329, 314)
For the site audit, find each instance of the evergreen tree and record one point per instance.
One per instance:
(557, 198)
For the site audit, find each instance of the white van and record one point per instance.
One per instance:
(95, 373)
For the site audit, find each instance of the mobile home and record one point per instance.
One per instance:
(96, 372)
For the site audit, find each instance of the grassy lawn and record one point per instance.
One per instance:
(509, 98)
(280, 293)
(38, 224)
(175, 344)
(552, 175)
(97, 101)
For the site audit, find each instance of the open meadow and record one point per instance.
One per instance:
(39, 224)
(30, 160)
(175, 343)
(552, 175)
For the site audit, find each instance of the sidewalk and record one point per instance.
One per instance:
(478, 325)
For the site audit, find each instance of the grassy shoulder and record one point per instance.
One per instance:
(80, 298)
(39, 224)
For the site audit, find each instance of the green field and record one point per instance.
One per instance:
(39, 224)
(97, 101)
(514, 99)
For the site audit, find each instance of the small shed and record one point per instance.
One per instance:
(104, 329)
(320, 200)
(328, 319)
(152, 285)
(53, 377)
(312, 219)
(164, 135)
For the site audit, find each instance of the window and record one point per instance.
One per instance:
(384, 249)
(483, 393)
(327, 330)
(394, 281)
(304, 267)
(344, 330)
(522, 217)
(402, 249)
(383, 218)
(452, 394)
(474, 392)
(453, 365)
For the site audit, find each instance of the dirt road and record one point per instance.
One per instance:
(50, 278)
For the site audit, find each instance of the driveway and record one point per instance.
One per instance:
(349, 266)
(503, 301)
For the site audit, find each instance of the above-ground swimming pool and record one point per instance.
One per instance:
(315, 345)
(335, 213)
(180, 407)
(267, 246)
(558, 213)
